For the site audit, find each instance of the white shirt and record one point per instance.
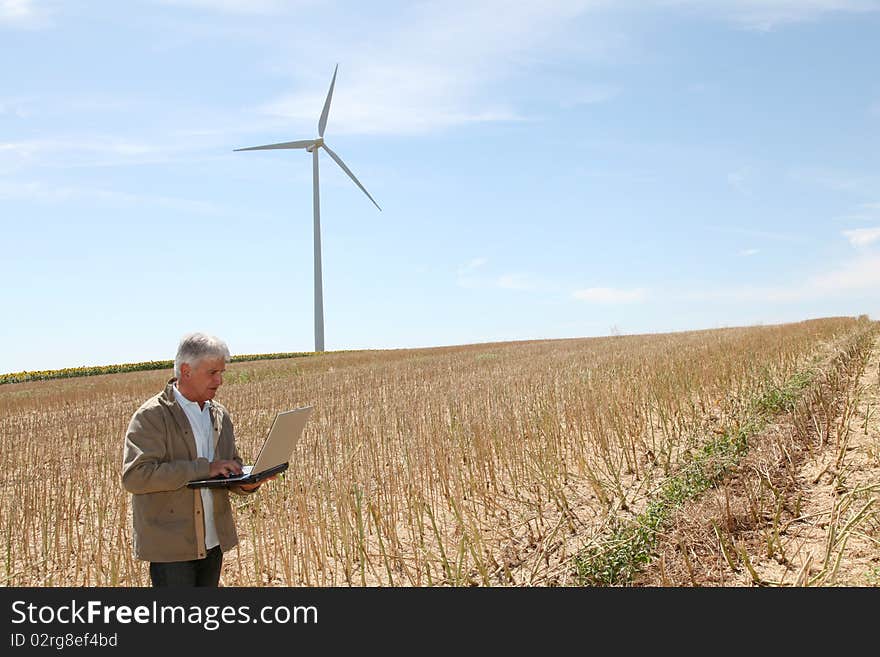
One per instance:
(203, 432)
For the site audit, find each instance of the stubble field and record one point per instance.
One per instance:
(490, 465)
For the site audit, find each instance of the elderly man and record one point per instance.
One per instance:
(176, 436)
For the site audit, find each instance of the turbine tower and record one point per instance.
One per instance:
(312, 146)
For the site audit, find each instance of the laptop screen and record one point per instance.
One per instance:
(279, 444)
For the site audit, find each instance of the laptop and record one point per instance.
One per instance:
(274, 455)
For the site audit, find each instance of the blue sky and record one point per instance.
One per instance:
(545, 170)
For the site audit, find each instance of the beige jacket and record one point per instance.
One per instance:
(158, 459)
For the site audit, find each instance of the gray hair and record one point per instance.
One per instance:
(196, 346)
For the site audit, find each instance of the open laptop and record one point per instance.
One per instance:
(274, 455)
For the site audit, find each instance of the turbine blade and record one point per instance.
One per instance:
(351, 175)
(323, 122)
(305, 143)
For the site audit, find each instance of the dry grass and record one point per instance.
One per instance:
(476, 465)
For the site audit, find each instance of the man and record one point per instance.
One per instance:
(179, 435)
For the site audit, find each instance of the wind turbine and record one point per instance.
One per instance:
(312, 146)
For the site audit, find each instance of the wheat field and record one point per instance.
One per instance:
(487, 465)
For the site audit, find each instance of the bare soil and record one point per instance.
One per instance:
(803, 508)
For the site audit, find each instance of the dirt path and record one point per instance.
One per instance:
(797, 513)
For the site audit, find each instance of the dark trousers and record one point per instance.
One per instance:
(198, 572)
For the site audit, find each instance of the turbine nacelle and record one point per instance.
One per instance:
(317, 144)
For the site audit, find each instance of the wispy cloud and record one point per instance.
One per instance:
(72, 152)
(16, 107)
(260, 7)
(437, 65)
(42, 192)
(473, 264)
(195, 131)
(102, 144)
(859, 275)
(23, 14)
(609, 295)
(853, 218)
(840, 181)
(473, 274)
(108, 150)
(516, 282)
(862, 236)
(741, 180)
(763, 234)
(736, 179)
(752, 14)
(866, 212)
(467, 272)
(372, 114)
(589, 96)
(748, 252)
(769, 14)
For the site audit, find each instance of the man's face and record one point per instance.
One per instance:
(199, 382)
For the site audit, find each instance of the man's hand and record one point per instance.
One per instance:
(224, 467)
(250, 487)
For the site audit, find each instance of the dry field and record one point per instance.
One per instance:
(486, 465)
